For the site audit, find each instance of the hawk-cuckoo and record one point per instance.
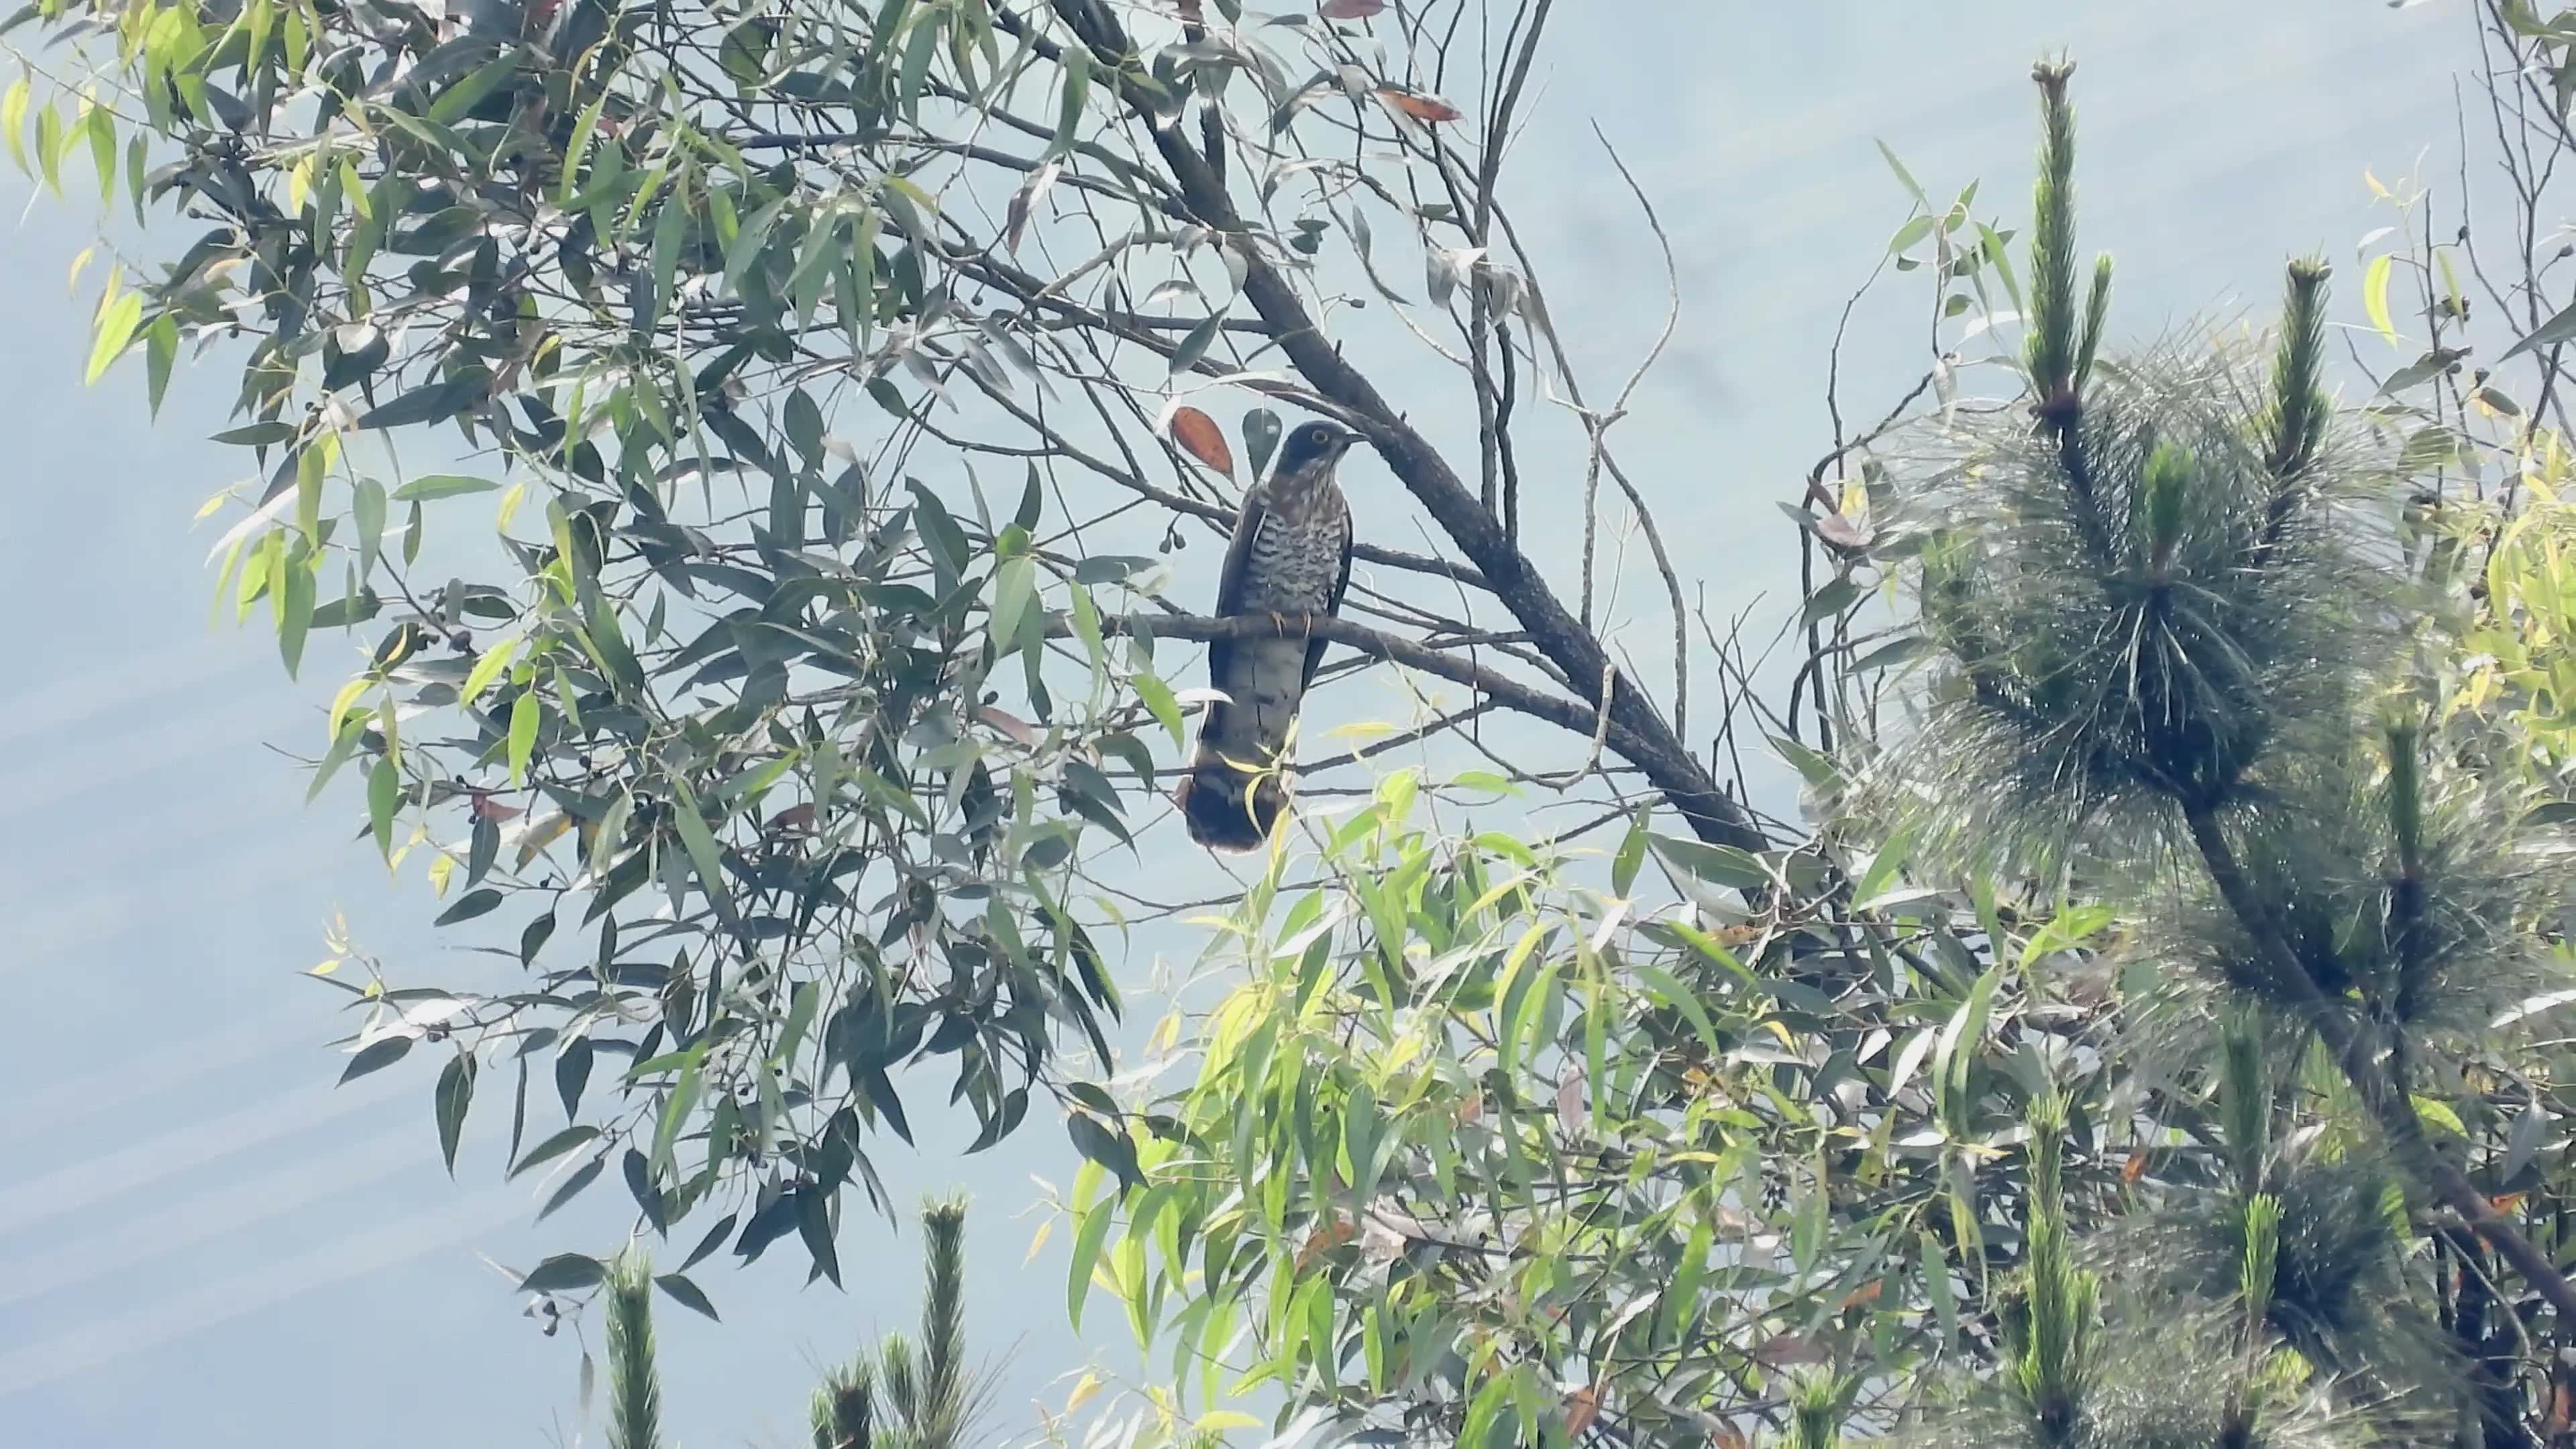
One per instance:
(1291, 559)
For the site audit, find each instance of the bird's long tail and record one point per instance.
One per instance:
(1230, 806)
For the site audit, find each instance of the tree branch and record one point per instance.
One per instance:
(1638, 732)
(1498, 690)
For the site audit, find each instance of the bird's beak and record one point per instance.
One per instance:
(1348, 441)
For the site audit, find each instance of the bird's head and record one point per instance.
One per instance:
(1314, 446)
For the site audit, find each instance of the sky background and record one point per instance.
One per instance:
(202, 1242)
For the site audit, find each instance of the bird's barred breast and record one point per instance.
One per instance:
(1293, 567)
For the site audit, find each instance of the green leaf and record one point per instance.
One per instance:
(1086, 1253)
(524, 713)
(425, 404)
(13, 121)
(1631, 857)
(676, 1109)
(440, 485)
(1717, 864)
(488, 668)
(687, 1294)
(462, 97)
(1956, 1053)
(2070, 927)
(161, 353)
(2548, 334)
(1832, 599)
(582, 1177)
(1892, 653)
(295, 615)
(1905, 176)
(479, 902)
(564, 1273)
(384, 795)
(367, 511)
(1159, 699)
(1069, 104)
(116, 324)
(747, 242)
(556, 1146)
(1892, 855)
(1014, 589)
(375, 1056)
(1670, 990)
(1196, 344)
(701, 845)
(455, 1094)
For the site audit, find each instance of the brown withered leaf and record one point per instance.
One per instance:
(1024, 203)
(796, 819)
(1325, 1238)
(2134, 1168)
(487, 808)
(1419, 107)
(1581, 1408)
(1010, 724)
(1782, 1350)
(1201, 438)
(1835, 529)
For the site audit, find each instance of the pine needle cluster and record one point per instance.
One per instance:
(912, 1393)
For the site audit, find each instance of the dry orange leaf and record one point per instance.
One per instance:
(1727, 1436)
(1201, 438)
(487, 808)
(1866, 1293)
(1581, 1408)
(1419, 107)
(2133, 1169)
(1326, 1238)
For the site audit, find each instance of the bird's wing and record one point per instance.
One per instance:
(1341, 584)
(1232, 578)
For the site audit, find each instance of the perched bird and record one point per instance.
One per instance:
(1291, 559)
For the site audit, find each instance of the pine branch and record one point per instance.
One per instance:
(634, 1375)
(2354, 1052)
(845, 1409)
(942, 1417)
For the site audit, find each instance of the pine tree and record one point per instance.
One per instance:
(2171, 629)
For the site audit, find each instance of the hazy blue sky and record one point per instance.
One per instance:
(201, 1242)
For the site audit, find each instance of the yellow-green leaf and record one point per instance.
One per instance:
(523, 735)
(116, 324)
(487, 669)
(2374, 295)
(13, 120)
